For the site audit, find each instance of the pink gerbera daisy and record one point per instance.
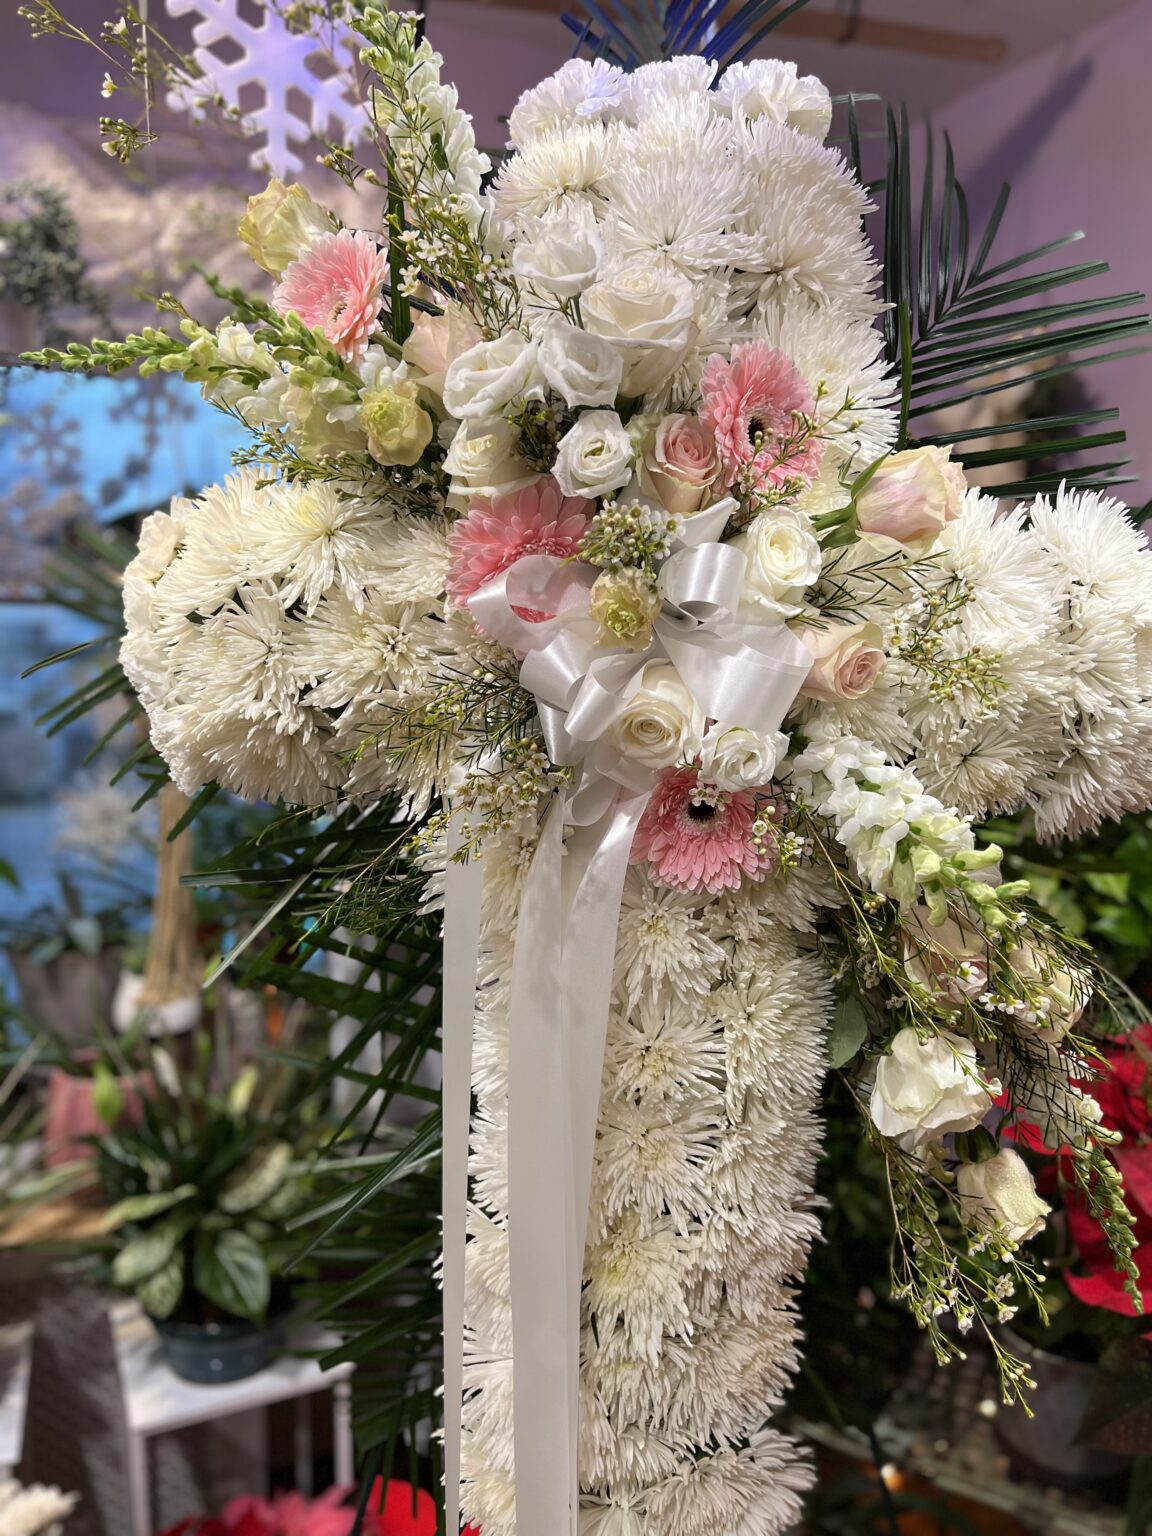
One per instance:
(694, 841)
(759, 408)
(336, 286)
(537, 520)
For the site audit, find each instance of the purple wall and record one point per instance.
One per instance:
(1071, 131)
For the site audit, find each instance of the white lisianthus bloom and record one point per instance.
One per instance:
(594, 456)
(482, 459)
(733, 757)
(661, 725)
(649, 316)
(490, 376)
(926, 1088)
(846, 660)
(581, 368)
(1000, 1193)
(563, 258)
(783, 560)
(770, 88)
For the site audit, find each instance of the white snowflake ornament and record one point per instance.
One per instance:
(299, 103)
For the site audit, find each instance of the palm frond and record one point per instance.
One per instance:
(634, 32)
(961, 326)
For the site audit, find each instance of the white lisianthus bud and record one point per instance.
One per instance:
(594, 456)
(490, 376)
(581, 368)
(1001, 1193)
(733, 757)
(563, 258)
(783, 559)
(912, 496)
(281, 223)
(925, 1088)
(624, 605)
(661, 725)
(482, 460)
(649, 317)
(846, 660)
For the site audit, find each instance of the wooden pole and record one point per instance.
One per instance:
(173, 967)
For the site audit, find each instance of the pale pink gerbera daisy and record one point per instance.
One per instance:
(336, 286)
(537, 520)
(701, 842)
(759, 407)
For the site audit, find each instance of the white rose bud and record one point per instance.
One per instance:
(1063, 995)
(783, 559)
(846, 660)
(912, 496)
(280, 224)
(490, 376)
(661, 725)
(733, 757)
(950, 958)
(649, 317)
(581, 368)
(564, 258)
(594, 456)
(925, 1088)
(436, 341)
(482, 460)
(1001, 1193)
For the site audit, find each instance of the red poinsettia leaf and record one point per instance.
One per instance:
(399, 1513)
(1135, 1163)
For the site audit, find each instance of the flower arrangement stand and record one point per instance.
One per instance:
(15, 1369)
(156, 1401)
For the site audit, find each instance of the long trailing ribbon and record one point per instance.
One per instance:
(738, 673)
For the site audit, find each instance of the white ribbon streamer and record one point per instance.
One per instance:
(738, 673)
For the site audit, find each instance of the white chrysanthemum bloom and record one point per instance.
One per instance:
(771, 88)
(582, 89)
(556, 173)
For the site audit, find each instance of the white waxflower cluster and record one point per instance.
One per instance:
(700, 1224)
(1058, 594)
(269, 629)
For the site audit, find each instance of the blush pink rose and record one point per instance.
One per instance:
(679, 464)
(912, 496)
(436, 341)
(846, 660)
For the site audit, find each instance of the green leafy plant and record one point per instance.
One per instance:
(199, 1182)
(40, 261)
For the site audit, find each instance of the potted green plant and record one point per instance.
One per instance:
(198, 1186)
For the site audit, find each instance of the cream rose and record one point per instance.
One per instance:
(846, 660)
(490, 375)
(733, 757)
(435, 342)
(661, 725)
(783, 559)
(1062, 995)
(648, 316)
(678, 464)
(1000, 1193)
(581, 368)
(482, 460)
(912, 496)
(949, 958)
(925, 1088)
(280, 224)
(564, 258)
(594, 456)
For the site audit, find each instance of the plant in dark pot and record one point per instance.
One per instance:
(198, 1189)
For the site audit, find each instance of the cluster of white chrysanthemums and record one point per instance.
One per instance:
(701, 1213)
(1057, 597)
(271, 628)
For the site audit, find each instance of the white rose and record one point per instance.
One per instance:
(950, 958)
(581, 368)
(648, 316)
(1001, 1193)
(490, 375)
(1062, 995)
(594, 456)
(482, 459)
(926, 1088)
(846, 660)
(564, 258)
(661, 725)
(732, 757)
(783, 559)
